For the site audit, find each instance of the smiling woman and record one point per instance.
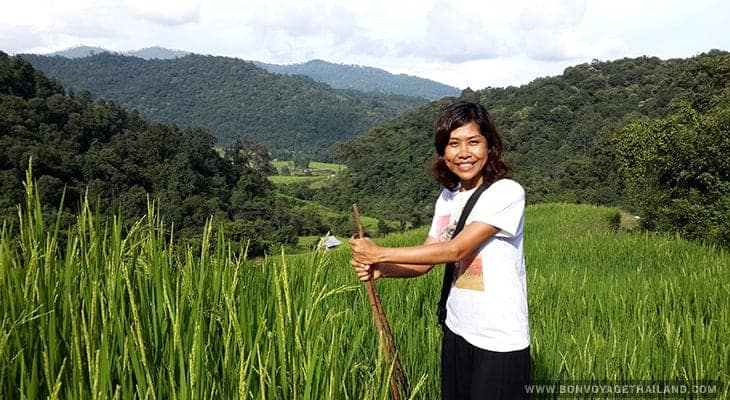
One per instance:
(466, 154)
(484, 294)
(467, 135)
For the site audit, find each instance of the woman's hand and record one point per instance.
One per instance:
(366, 272)
(364, 251)
(363, 259)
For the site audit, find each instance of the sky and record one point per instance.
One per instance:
(463, 43)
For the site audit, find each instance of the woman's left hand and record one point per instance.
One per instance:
(364, 251)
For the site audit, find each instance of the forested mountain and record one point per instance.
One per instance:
(147, 53)
(563, 135)
(98, 149)
(230, 97)
(366, 79)
(338, 76)
(79, 52)
(647, 134)
(153, 52)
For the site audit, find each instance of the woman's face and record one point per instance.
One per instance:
(466, 154)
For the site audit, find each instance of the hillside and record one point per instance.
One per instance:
(338, 76)
(230, 97)
(79, 52)
(153, 52)
(561, 135)
(366, 79)
(115, 159)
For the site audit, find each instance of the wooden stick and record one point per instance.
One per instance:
(387, 342)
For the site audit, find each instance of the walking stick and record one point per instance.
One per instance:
(387, 342)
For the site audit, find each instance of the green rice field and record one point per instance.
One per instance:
(316, 165)
(284, 180)
(107, 312)
(319, 172)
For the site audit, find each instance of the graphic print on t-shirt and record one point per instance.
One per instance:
(470, 272)
(445, 229)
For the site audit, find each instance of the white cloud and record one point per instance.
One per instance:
(293, 31)
(166, 12)
(479, 74)
(311, 19)
(455, 35)
(94, 23)
(549, 30)
(20, 38)
(474, 43)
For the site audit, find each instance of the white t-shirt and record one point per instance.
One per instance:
(487, 305)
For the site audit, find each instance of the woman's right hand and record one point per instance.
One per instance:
(366, 272)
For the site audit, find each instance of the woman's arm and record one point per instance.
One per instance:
(392, 270)
(365, 252)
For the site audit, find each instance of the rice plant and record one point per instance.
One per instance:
(113, 310)
(124, 313)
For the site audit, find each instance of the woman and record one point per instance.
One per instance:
(485, 351)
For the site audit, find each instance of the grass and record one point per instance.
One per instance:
(620, 306)
(335, 168)
(123, 313)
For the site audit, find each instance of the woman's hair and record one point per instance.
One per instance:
(455, 116)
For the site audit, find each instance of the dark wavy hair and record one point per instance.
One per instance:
(455, 116)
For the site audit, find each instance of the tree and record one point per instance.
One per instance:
(301, 161)
(677, 172)
(100, 150)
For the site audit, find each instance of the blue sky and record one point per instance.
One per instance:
(464, 43)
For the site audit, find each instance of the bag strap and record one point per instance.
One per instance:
(449, 271)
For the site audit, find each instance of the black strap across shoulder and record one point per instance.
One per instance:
(449, 271)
